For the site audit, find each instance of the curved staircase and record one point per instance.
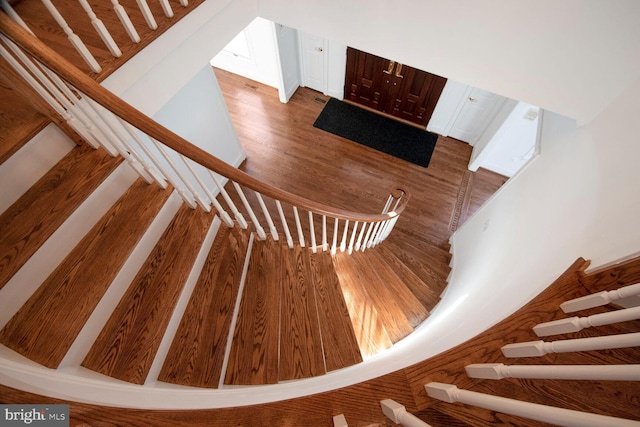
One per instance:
(208, 305)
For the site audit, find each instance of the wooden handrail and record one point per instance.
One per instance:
(119, 107)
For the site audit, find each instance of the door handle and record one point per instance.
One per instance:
(399, 70)
(389, 69)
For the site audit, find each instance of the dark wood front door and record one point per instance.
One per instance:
(392, 88)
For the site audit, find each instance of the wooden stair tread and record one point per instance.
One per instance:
(197, 353)
(433, 270)
(45, 327)
(391, 270)
(383, 290)
(33, 218)
(300, 340)
(424, 292)
(127, 344)
(369, 329)
(253, 359)
(339, 342)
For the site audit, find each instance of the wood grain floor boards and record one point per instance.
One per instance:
(388, 270)
(33, 218)
(424, 292)
(368, 327)
(126, 346)
(254, 352)
(46, 325)
(197, 353)
(301, 354)
(381, 296)
(339, 342)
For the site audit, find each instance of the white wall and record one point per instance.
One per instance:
(261, 65)
(514, 143)
(572, 57)
(199, 114)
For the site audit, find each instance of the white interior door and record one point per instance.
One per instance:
(478, 109)
(313, 51)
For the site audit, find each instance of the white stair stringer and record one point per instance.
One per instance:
(90, 331)
(44, 261)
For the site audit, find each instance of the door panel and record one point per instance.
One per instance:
(366, 81)
(474, 117)
(313, 62)
(391, 87)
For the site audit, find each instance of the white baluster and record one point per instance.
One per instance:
(600, 298)
(73, 38)
(548, 414)
(374, 233)
(234, 209)
(540, 348)
(261, 234)
(359, 241)
(146, 12)
(498, 371)
(267, 215)
(101, 30)
(201, 201)
(119, 138)
(378, 237)
(575, 324)
(366, 237)
(190, 195)
(312, 231)
(125, 21)
(334, 245)
(131, 134)
(399, 415)
(72, 121)
(298, 226)
(225, 216)
(184, 3)
(353, 237)
(285, 226)
(343, 242)
(166, 8)
(389, 227)
(46, 89)
(325, 246)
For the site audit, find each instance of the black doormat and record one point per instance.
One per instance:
(381, 133)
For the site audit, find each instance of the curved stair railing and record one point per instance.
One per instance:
(157, 154)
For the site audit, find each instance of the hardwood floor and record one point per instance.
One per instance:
(284, 148)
